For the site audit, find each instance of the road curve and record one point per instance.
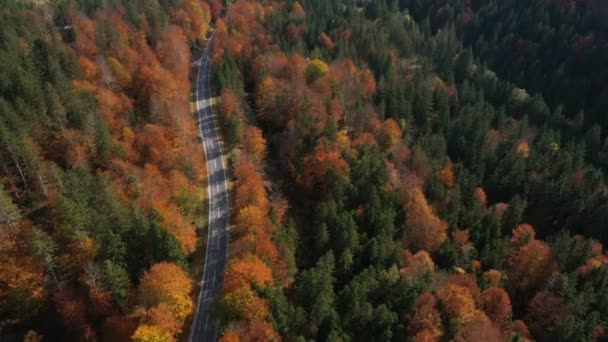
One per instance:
(204, 328)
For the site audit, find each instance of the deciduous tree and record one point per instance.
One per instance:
(497, 305)
(151, 333)
(245, 271)
(457, 302)
(166, 283)
(423, 229)
(254, 143)
(426, 324)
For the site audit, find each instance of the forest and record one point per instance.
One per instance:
(102, 177)
(401, 170)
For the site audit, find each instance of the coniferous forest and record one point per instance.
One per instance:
(400, 170)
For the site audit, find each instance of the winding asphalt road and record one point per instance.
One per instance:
(204, 328)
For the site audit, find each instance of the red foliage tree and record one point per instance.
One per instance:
(118, 328)
(497, 305)
(545, 310)
(73, 313)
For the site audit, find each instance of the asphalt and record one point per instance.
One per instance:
(203, 327)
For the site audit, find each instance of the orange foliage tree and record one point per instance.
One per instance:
(530, 265)
(319, 162)
(467, 281)
(426, 324)
(254, 143)
(230, 106)
(458, 302)
(423, 229)
(174, 54)
(246, 270)
(389, 133)
(249, 188)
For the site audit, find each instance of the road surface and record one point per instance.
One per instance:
(204, 328)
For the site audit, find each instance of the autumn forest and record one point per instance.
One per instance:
(399, 170)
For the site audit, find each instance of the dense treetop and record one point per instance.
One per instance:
(444, 172)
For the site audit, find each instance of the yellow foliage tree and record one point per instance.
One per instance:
(151, 333)
(166, 284)
(418, 265)
(242, 304)
(316, 68)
